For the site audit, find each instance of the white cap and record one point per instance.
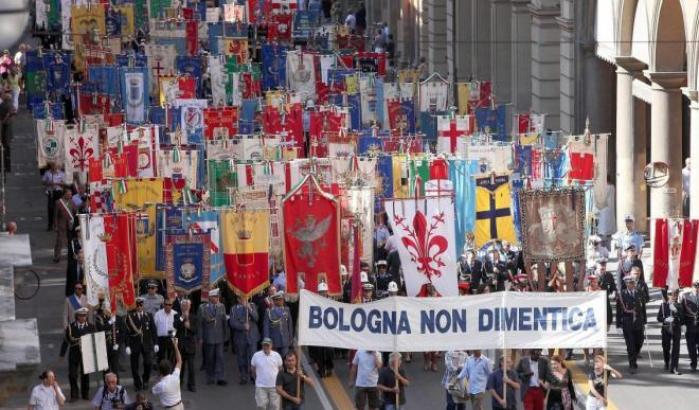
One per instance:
(382, 263)
(322, 287)
(214, 292)
(392, 287)
(363, 277)
(343, 270)
(629, 217)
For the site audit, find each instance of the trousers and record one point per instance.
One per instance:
(454, 406)
(138, 351)
(188, 369)
(75, 372)
(534, 399)
(692, 339)
(671, 346)
(213, 361)
(634, 342)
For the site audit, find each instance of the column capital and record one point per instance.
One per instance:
(692, 95)
(629, 63)
(667, 80)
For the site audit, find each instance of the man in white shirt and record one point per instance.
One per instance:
(165, 321)
(364, 375)
(168, 388)
(53, 182)
(47, 395)
(265, 366)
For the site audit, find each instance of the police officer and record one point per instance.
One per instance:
(629, 236)
(243, 321)
(323, 356)
(690, 310)
(141, 341)
(152, 300)
(670, 316)
(212, 327)
(71, 344)
(630, 261)
(278, 324)
(607, 283)
(382, 279)
(114, 332)
(631, 319)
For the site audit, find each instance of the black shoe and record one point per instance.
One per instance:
(145, 386)
(210, 382)
(222, 383)
(676, 372)
(193, 389)
(667, 367)
(694, 369)
(73, 400)
(243, 382)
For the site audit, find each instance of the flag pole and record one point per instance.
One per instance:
(395, 370)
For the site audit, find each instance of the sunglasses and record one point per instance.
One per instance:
(168, 304)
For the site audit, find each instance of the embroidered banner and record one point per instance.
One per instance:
(50, 139)
(208, 221)
(494, 219)
(188, 262)
(135, 86)
(245, 237)
(80, 147)
(93, 239)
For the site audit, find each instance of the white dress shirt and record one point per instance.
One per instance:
(164, 322)
(45, 398)
(168, 389)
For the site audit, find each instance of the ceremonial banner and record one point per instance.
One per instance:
(434, 95)
(161, 62)
(494, 218)
(80, 147)
(553, 225)
(427, 247)
(148, 146)
(94, 257)
(461, 173)
(120, 243)
(674, 253)
(169, 220)
(462, 96)
(311, 238)
(222, 177)
(361, 204)
(493, 121)
(142, 196)
(245, 238)
(188, 262)
(490, 157)
(218, 80)
(135, 86)
(87, 28)
(401, 116)
(182, 170)
(300, 74)
(192, 119)
(235, 47)
(451, 132)
(50, 139)
(500, 320)
(65, 9)
(207, 221)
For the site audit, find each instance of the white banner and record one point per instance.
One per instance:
(500, 320)
(427, 246)
(95, 257)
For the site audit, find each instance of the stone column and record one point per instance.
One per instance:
(500, 54)
(694, 154)
(545, 74)
(627, 178)
(437, 35)
(521, 55)
(666, 141)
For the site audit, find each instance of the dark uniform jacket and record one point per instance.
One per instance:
(71, 339)
(141, 330)
(632, 309)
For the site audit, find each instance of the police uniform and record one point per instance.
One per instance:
(625, 265)
(623, 239)
(212, 328)
(497, 274)
(141, 341)
(473, 272)
(278, 326)
(114, 332)
(152, 303)
(245, 341)
(607, 282)
(671, 318)
(631, 319)
(690, 310)
(71, 344)
(382, 279)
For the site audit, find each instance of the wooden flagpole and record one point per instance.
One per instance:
(395, 371)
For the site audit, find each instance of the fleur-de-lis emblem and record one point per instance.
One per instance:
(425, 246)
(81, 153)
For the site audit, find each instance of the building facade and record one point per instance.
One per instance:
(627, 65)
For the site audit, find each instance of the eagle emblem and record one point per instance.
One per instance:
(307, 232)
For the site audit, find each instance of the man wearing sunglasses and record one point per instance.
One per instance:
(167, 321)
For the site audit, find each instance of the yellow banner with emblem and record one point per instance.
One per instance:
(141, 196)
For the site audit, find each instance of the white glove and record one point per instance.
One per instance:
(128, 351)
(116, 347)
(156, 348)
(112, 320)
(669, 320)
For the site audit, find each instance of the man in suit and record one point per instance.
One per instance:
(629, 262)
(278, 324)
(212, 327)
(533, 371)
(472, 270)
(65, 220)
(690, 311)
(631, 319)
(496, 270)
(243, 321)
(141, 341)
(187, 343)
(671, 318)
(71, 344)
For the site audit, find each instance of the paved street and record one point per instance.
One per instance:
(650, 388)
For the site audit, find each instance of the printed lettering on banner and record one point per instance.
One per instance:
(499, 320)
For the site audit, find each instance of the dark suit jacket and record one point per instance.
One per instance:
(187, 338)
(71, 338)
(524, 371)
(141, 330)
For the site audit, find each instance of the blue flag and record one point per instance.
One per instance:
(384, 169)
(168, 219)
(461, 174)
(495, 120)
(246, 123)
(208, 221)
(273, 66)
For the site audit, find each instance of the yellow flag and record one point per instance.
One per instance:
(462, 94)
(142, 196)
(493, 210)
(245, 238)
(127, 19)
(401, 180)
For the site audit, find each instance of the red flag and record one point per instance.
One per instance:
(192, 37)
(312, 238)
(94, 170)
(187, 86)
(245, 238)
(688, 253)
(120, 242)
(294, 125)
(271, 121)
(523, 123)
(660, 253)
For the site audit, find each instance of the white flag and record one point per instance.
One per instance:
(95, 257)
(427, 246)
